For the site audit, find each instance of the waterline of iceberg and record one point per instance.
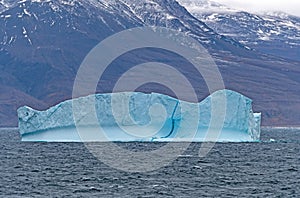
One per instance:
(135, 116)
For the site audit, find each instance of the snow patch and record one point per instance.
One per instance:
(26, 12)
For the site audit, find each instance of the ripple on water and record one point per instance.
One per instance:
(268, 168)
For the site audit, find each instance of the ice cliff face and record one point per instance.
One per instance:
(135, 116)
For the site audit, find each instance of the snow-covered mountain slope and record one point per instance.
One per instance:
(115, 14)
(50, 38)
(272, 33)
(43, 42)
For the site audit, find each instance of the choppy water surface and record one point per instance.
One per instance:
(269, 168)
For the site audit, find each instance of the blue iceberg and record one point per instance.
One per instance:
(135, 116)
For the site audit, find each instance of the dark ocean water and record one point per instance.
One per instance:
(266, 169)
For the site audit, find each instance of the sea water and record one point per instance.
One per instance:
(267, 168)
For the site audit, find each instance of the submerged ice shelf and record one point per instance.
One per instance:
(225, 115)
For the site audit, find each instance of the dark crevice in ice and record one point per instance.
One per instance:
(173, 121)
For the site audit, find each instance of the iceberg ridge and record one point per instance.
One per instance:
(135, 116)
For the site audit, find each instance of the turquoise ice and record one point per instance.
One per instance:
(135, 116)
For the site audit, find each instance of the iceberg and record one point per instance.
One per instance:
(136, 116)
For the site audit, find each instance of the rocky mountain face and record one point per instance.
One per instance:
(42, 44)
(272, 33)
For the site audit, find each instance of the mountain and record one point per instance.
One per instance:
(273, 33)
(42, 44)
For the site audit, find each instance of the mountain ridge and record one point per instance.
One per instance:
(274, 33)
(41, 61)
